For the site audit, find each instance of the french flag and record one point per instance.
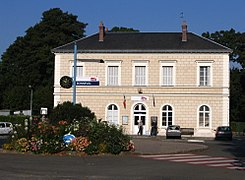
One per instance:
(124, 101)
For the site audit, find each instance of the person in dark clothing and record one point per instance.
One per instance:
(140, 125)
(153, 128)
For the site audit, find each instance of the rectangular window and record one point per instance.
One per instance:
(112, 75)
(201, 122)
(140, 75)
(79, 71)
(167, 118)
(167, 72)
(164, 119)
(167, 75)
(204, 76)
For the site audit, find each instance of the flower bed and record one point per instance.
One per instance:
(92, 138)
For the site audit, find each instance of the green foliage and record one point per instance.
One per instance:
(236, 94)
(14, 119)
(106, 138)
(238, 127)
(71, 113)
(47, 138)
(29, 61)
(235, 41)
(40, 138)
(232, 39)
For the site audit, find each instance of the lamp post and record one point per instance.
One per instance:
(31, 97)
(74, 73)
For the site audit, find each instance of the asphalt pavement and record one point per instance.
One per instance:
(161, 145)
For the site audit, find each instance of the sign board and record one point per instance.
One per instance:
(88, 81)
(139, 98)
(44, 111)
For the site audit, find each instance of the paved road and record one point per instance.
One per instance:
(130, 166)
(197, 159)
(17, 166)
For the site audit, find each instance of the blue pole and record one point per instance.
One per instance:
(74, 73)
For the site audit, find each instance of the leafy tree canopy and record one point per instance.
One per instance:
(232, 39)
(29, 60)
(235, 41)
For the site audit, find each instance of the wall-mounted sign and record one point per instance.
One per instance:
(44, 111)
(124, 120)
(88, 81)
(139, 98)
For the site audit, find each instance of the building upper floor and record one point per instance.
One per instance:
(109, 59)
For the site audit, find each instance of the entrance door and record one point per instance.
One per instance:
(139, 114)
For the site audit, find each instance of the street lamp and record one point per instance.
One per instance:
(75, 73)
(31, 97)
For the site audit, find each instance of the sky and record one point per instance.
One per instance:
(16, 16)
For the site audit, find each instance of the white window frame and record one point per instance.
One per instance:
(143, 63)
(167, 64)
(205, 64)
(161, 111)
(114, 113)
(113, 63)
(78, 64)
(210, 117)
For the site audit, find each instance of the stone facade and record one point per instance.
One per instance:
(186, 97)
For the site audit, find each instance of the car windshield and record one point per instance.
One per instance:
(224, 129)
(174, 127)
(2, 125)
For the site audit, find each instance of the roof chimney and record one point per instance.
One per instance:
(101, 32)
(184, 31)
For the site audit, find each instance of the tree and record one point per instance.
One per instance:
(123, 29)
(29, 60)
(232, 39)
(236, 93)
(235, 41)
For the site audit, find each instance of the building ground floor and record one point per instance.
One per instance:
(200, 112)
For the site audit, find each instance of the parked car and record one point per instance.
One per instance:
(173, 131)
(223, 132)
(6, 128)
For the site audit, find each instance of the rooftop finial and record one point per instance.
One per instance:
(182, 15)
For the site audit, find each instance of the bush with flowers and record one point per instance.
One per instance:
(79, 144)
(45, 138)
(91, 137)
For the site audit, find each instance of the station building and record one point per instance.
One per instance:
(172, 78)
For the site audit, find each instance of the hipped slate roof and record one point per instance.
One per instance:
(138, 42)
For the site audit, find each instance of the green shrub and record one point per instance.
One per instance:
(107, 139)
(47, 137)
(14, 119)
(69, 112)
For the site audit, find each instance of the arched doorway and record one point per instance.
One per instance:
(139, 112)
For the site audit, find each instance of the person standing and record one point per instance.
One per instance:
(154, 128)
(140, 125)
